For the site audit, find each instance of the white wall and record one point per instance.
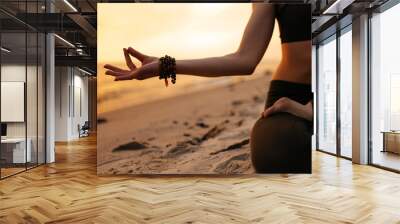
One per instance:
(62, 80)
(12, 73)
(80, 89)
(70, 83)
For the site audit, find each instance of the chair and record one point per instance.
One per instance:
(84, 130)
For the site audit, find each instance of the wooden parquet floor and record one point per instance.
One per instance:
(70, 192)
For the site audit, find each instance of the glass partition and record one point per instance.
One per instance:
(31, 98)
(22, 88)
(326, 61)
(41, 97)
(385, 89)
(14, 153)
(346, 92)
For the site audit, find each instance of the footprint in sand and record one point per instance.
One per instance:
(151, 139)
(202, 124)
(192, 144)
(233, 146)
(130, 146)
(237, 102)
(257, 99)
(179, 149)
(234, 165)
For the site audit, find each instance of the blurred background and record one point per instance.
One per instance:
(184, 31)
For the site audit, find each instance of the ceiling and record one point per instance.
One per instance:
(75, 23)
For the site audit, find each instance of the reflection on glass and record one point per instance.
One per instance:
(31, 97)
(22, 91)
(394, 101)
(345, 94)
(327, 96)
(14, 153)
(41, 99)
(385, 84)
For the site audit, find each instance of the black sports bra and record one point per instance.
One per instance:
(294, 22)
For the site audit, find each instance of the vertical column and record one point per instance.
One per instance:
(360, 90)
(314, 90)
(50, 92)
(338, 99)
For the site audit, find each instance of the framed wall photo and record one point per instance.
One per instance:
(176, 96)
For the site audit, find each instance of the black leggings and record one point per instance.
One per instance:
(281, 143)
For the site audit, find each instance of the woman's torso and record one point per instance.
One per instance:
(295, 32)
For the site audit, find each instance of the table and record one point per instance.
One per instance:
(391, 141)
(16, 147)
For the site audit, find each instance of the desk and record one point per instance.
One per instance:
(391, 141)
(16, 147)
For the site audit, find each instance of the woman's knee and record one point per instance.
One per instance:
(281, 143)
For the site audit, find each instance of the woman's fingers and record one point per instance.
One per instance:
(269, 111)
(265, 113)
(115, 68)
(281, 105)
(136, 54)
(116, 73)
(124, 77)
(128, 60)
(120, 75)
(290, 106)
(129, 75)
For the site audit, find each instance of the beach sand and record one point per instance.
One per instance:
(203, 132)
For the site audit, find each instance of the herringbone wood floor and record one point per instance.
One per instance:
(70, 192)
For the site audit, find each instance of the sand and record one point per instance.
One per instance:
(205, 132)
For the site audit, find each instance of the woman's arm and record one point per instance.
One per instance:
(254, 43)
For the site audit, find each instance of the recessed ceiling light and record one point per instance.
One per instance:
(84, 71)
(70, 5)
(5, 50)
(64, 40)
(337, 7)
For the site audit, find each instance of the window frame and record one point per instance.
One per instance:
(378, 10)
(333, 37)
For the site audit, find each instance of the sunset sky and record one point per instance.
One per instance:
(181, 30)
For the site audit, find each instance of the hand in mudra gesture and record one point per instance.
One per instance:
(148, 69)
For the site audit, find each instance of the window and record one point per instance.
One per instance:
(345, 92)
(327, 95)
(385, 89)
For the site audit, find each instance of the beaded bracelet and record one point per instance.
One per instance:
(167, 68)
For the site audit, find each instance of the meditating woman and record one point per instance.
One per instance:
(281, 138)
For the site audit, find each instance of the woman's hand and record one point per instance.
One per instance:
(148, 69)
(287, 105)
